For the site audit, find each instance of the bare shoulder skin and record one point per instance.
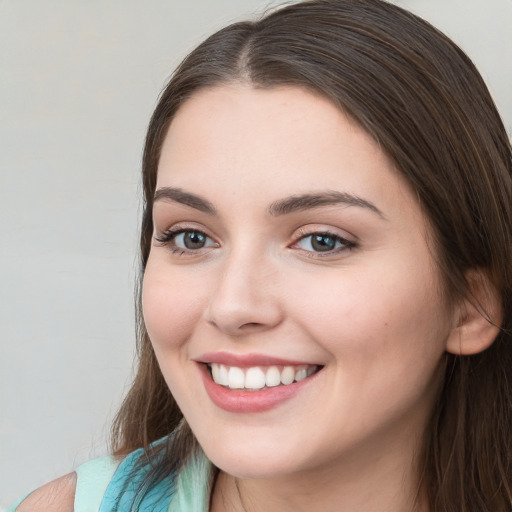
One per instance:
(56, 496)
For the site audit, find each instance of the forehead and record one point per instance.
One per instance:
(263, 144)
(274, 126)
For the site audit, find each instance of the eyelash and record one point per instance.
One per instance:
(346, 245)
(168, 238)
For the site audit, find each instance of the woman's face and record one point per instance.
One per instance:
(290, 260)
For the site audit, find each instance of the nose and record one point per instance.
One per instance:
(245, 298)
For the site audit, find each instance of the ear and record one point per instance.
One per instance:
(477, 317)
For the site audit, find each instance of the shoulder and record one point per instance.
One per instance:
(55, 496)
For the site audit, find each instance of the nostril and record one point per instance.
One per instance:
(251, 327)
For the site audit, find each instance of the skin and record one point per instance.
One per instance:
(370, 312)
(55, 496)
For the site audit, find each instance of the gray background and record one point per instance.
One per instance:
(78, 82)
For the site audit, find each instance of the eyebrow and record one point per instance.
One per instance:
(315, 200)
(281, 207)
(177, 195)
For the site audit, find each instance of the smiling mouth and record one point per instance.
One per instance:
(259, 378)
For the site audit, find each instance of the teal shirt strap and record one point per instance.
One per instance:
(93, 478)
(193, 486)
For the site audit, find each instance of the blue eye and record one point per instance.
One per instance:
(323, 243)
(191, 240)
(186, 239)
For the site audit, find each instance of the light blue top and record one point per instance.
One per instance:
(107, 485)
(91, 483)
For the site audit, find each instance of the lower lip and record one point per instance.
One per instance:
(236, 400)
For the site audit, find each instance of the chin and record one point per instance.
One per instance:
(254, 460)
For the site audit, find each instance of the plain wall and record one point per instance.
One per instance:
(78, 82)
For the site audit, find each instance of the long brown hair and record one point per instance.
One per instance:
(422, 99)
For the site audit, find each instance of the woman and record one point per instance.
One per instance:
(326, 295)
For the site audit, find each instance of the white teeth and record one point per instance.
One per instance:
(236, 378)
(223, 375)
(287, 375)
(301, 374)
(273, 377)
(254, 378)
(257, 377)
(215, 372)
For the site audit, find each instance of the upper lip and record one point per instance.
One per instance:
(247, 360)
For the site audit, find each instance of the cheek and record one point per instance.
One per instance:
(387, 316)
(385, 333)
(171, 307)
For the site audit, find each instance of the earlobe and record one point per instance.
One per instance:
(479, 317)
